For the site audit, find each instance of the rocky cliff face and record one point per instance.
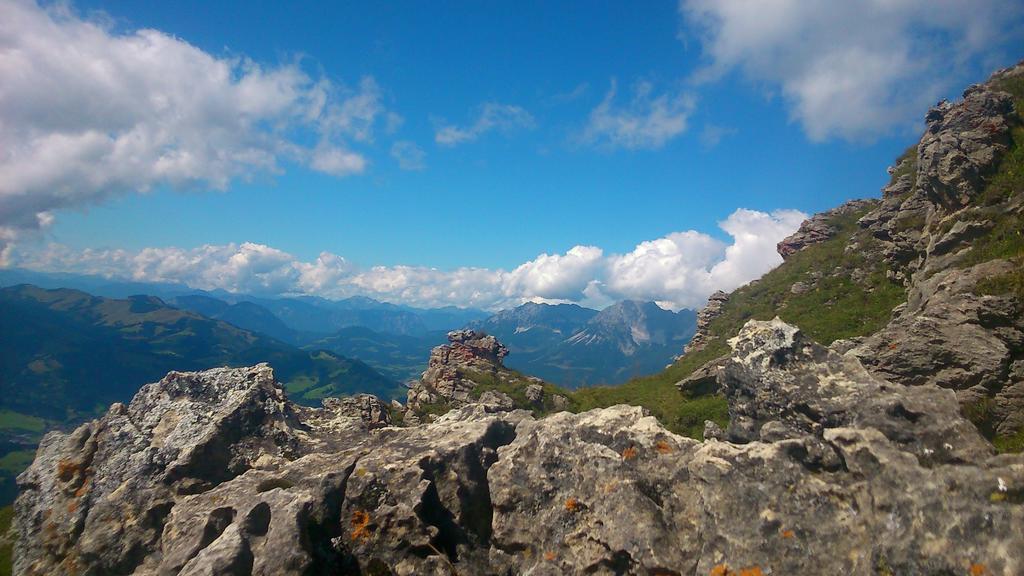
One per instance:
(829, 470)
(936, 225)
(946, 232)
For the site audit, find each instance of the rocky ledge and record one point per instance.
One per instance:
(826, 469)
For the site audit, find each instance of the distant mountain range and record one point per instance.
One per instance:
(67, 352)
(67, 355)
(303, 319)
(575, 346)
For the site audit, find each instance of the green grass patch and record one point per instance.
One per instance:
(1008, 180)
(1009, 283)
(300, 384)
(17, 461)
(1010, 444)
(679, 413)
(514, 385)
(10, 420)
(834, 307)
(905, 165)
(6, 548)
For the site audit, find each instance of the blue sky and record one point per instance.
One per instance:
(603, 125)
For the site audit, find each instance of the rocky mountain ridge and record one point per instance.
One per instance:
(828, 470)
(944, 244)
(575, 346)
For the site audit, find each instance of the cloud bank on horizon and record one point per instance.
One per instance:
(678, 271)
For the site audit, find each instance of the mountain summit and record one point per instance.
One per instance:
(575, 346)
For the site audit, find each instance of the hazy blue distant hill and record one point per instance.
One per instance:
(399, 357)
(575, 346)
(303, 315)
(244, 314)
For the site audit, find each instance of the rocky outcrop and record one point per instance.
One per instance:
(931, 208)
(707, 314)
(366, 407)
(818, 228)
(948, 333)
(829, 470)
(448, 377)
(962, 143)
(456, 371)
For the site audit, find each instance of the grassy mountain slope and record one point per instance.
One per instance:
(838, 307)
(397, 356)
(850, 297)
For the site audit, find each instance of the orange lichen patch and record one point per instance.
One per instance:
(81, 489)
(629, 453)
(549, 556)
(360, 525)
(66, 470)
(787, 534)
(978, 570)
(663, 447)
(723, 570)
(572, 504)
(720, 570)
(72, 506)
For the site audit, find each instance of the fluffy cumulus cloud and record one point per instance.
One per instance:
(853, 69)
(679, 270)
(492, 116)
(87, 113)
(647, 120)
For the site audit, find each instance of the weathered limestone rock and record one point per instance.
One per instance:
(949, 336)
(832, 471)
(448, 377)
(705, 316)
(817, 229)
(962, 143)
(367, 407)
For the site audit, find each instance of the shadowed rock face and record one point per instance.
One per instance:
(830, 471)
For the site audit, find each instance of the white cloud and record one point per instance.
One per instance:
(555, 276)
(492, 116)
(855, 69)
(87, 113)
(712, 134)
(678, 270)
(408, 155)
(647, 121)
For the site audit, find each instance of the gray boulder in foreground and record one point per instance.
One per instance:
(829, 470)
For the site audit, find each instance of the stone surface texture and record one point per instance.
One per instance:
(825, 469)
